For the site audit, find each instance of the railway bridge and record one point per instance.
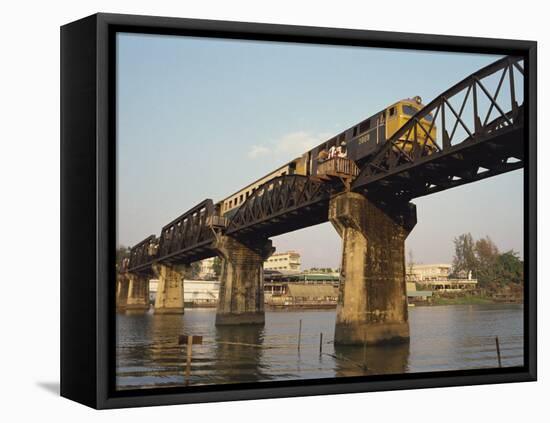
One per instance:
(480, 123)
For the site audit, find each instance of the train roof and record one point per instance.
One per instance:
(257, 180)
(415, 100)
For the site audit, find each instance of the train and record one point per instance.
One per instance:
(359, 143)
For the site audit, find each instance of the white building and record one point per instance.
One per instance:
(323, 272)
(195, 293)
(289, 261)
(436, 277)
(427, 272)
(207, 268)
(201, 293)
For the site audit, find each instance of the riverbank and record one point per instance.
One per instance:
(469, 300)
(465, 300)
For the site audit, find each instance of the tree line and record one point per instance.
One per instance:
(491, 268)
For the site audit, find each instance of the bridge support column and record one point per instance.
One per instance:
(372, 302)
(138, 293)
(241, 299)
(169, 298)
(122, 285)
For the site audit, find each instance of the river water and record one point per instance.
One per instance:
(442, 338)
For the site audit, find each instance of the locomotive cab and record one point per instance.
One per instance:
(399, 113)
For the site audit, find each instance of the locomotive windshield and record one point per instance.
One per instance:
(410, 111)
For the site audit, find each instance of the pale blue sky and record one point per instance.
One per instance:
(200, 118)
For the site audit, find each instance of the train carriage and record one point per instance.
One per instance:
(357, 143)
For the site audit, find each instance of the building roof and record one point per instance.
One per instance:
(426, 266)
(296, 277)
(284, 253)
(448, 282)
(319, 277)
(300, 290)
(419, 293)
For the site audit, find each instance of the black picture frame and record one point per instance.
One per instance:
(88, 209)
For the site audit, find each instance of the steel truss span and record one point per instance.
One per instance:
(480, 134)
(183, 240)
(282, 205)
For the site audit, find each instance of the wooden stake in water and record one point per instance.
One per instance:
(299, 334)
(320, 344)
(498, 352)
(189, 356)
(364, 349)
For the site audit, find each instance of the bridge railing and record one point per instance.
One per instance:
(143, 253)
(278, 197)
(487, 101)
(217, 222)
(338, 166)
(187, 230)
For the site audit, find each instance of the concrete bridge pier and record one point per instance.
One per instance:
(138, 293)
(122, 285)
(169, 298)
(372, 302)
(241, 299)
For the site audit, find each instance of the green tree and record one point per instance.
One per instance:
(491, 268)
(410, 263)
(465, 258)
(122, 252)
(487, 255)
(509, 268)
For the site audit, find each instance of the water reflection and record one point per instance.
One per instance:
(242, 346)
(374, 360)
(442, 338)
(164, 350)
(158, 360)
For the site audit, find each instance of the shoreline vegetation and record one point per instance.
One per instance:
(468, 300)
(499, 275)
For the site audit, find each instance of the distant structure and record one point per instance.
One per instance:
(416, 296)
(323, 272)
(301, 289)
(207, 269)
(300, 295)
(201, 293)
(427, 272)
(153, 288)
(436, 277)
(289, 261)
(196, 293)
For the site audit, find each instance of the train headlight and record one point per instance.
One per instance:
(418, 99)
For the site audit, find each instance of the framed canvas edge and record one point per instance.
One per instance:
(78, 219)
(106, 24)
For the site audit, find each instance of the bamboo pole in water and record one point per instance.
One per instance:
(189, 356)
(299, 334)
(498, 352)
